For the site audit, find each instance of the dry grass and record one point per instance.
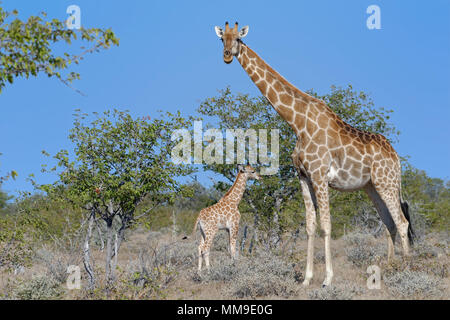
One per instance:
(157, 265)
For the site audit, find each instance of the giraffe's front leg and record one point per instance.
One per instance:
(310, 228)
(321, 192)
(233, 238)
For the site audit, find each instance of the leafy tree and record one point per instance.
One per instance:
(276, 200)
(12, 174)
(431, 196)
(20, 226)
(26, 47)
(118, 162)
(3, 199)
(358, 110)
(199, 197)
(3, 195)
(15, 249)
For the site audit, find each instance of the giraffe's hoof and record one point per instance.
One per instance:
(326, 283)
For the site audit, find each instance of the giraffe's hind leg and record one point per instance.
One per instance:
(386, 218)
(393, 203)
(391, 198)
(207, 246)
(200, 248)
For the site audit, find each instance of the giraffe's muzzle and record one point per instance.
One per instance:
(227, 58)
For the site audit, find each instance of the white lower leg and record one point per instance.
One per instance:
(328, 265)
(207, 259)
(403, 230)
(310, 229)
(233, 252)
(200, 258)
(309, 260)
(391, 249)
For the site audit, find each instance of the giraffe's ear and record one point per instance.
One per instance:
(240, 168)
(243, 32)
(219, 31)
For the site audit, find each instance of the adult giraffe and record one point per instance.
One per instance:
(328, 153)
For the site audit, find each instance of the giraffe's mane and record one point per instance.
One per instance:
(234, 184)
(346, 126)
(283, 80)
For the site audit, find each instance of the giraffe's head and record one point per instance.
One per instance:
(249, 171)
(231, 39)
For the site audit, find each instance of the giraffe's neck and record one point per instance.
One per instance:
(234, 195)
(285, 98)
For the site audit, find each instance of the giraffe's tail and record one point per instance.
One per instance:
(193, 230)
(411, 234)
(405, 209)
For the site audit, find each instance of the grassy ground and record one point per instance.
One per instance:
(159, 265)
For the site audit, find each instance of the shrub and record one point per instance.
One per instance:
(335, 292)
(361, 250)
(222, 269)
(423, 250)
(433, 267)
(156, 268)
(263, 274)
(55, 263)
(257, 284)
(357, 238)
(178, 254)
(408, 283)
(221, 241)
(268, 262)
(225, 271)
(15, 247)
(38, 288)
(319, 257)
(361, 255)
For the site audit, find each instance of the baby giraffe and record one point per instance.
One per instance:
(223, 215)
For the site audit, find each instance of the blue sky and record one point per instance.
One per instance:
(170, 58)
